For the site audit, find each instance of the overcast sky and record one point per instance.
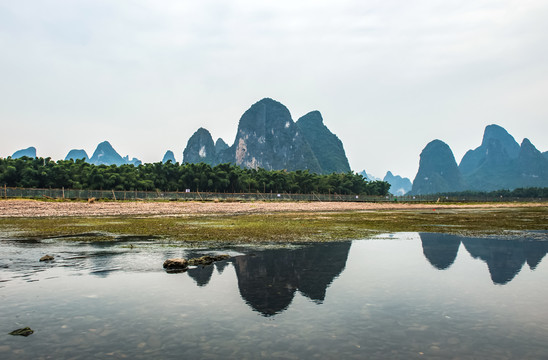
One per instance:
(388, 76)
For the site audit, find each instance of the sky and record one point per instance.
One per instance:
(388, 76)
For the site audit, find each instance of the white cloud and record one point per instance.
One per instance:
(395, 73)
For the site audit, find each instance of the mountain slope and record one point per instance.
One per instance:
(327, 147)
(438, 171)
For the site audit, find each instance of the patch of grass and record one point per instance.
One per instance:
(280, 227)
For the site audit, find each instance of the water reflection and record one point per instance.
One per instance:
(440, 249)
(504, 258)
(268, 280)
(379, 299)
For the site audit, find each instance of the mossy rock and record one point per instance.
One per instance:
(26, 331)
(207, 260)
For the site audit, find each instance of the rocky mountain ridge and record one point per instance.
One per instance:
(398, 185)
(498, 163)
(268, 138)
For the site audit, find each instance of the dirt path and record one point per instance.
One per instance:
(32, 208)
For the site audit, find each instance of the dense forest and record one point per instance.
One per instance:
(224, 178)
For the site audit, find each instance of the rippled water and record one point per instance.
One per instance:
(400, 296)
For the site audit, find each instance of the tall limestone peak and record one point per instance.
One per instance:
(327, 147)
(497, 149)
(169, 156)
(200, 148)
(77, 154)
(28, 152)
(267, 137)
(438, 171)
(532, 166)
(220, 145)
(501, 163)
(313, 118)
(105, 154)
(498, 133)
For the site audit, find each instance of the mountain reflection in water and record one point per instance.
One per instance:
(504, 258)
(375, 298)
(269, 279)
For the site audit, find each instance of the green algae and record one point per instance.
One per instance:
(279, 227)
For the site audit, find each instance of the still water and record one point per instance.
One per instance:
(398, 296)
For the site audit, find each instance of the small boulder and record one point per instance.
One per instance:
(207, 260)
(176, 264)
(46, 258)
(26, 331)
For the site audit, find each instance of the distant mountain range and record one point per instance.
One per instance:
(498, 163)
(268, 138)
(28, 152)
(398, 185)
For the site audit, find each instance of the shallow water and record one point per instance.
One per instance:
(399, 296)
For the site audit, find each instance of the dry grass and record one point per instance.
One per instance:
(264, 222)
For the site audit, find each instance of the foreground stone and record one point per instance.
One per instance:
(207, 260)
(46, 258)
(176, 264)
(26, 331)
(180, 264)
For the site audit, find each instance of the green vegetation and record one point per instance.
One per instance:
(45, 173)
(531, 193)
(281, 227)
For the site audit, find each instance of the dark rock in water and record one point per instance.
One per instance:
(28, 152)
(46, 258)
(176, 264)
(438, 171)
(76, 154)
(169, 156)
(327, 147)
(26, 331)
(200, 149)
(207, 260)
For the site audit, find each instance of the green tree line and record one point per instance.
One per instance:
(224, 178)
(531, 192)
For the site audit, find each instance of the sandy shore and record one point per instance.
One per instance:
(32, 208)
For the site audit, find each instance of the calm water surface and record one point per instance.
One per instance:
(400, 296)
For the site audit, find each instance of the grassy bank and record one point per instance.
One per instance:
(281, 227)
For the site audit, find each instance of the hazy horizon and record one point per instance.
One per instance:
(388, 77)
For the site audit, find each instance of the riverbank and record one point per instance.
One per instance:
(259, 221)
(38, 208)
